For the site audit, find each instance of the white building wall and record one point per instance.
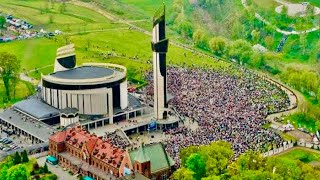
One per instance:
(67, 121)
(60, 99)
(43, 92)
(80, 103)
(86, 101)
(48, 96)
(64, 100)
(54, 98)
(124, 94)
(74, 100)
(69, 100)
(87, 104)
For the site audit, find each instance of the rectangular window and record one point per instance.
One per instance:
(164, 176)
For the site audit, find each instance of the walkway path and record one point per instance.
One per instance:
(301, 148)
(57, 170)
(25, 77)
(294, 8)
(259, 17)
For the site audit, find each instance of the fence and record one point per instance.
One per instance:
(289, 145)
(286, 146)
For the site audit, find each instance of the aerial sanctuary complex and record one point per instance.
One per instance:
(85, 115)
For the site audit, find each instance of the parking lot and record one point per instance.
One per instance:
(10, 141)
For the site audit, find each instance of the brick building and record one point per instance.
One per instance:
(86, 154)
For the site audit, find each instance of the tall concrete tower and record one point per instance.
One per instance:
(159, 47)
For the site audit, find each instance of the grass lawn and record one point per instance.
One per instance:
(287, 137)
(302, 120)
(33, 53)
(302, 155)
(23, 90)
(38, 12)
(269, 5)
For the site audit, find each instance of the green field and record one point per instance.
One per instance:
(302, 155)
(92, 47)
(23, 89)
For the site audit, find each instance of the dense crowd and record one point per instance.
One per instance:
(117, 140)
(229, 104)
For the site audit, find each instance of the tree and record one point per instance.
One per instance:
(53, 177)
(317, 125)
(51, 19)
(63, 8)
(4, 172)
(284, 167)
(255, 35)
(218, 45)
(45, 168)
(88, 44)
(186, 28)
(18, 172)
(240, 50)
(318, 51)
(183, 174)
(9, 68)
(217, 155)
(257, 60)
(199, 38)
(16, 159)
(269, 40)
(14, 82)
(2, 21)
(52, 3)
(197, 164)
(66, 38)
(9, 161)
(186, 152)
(24, 156)
(303, 43)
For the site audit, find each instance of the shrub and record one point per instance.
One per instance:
(52, 177)
(35, 166)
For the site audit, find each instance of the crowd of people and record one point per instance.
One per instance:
(117, 140)
(229, 104)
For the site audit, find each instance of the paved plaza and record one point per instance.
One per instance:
(58, 170)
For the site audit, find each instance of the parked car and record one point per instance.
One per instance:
(7, 149)
(8, 141)
(2, 139)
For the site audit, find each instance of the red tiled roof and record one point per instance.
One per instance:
(102, 150)
(58, 137)
(91, 144)
(108, 153)
(78, 137)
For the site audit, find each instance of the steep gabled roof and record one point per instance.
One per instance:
(159, 158)
(59, 137)
(141, 155)
(91, 144)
